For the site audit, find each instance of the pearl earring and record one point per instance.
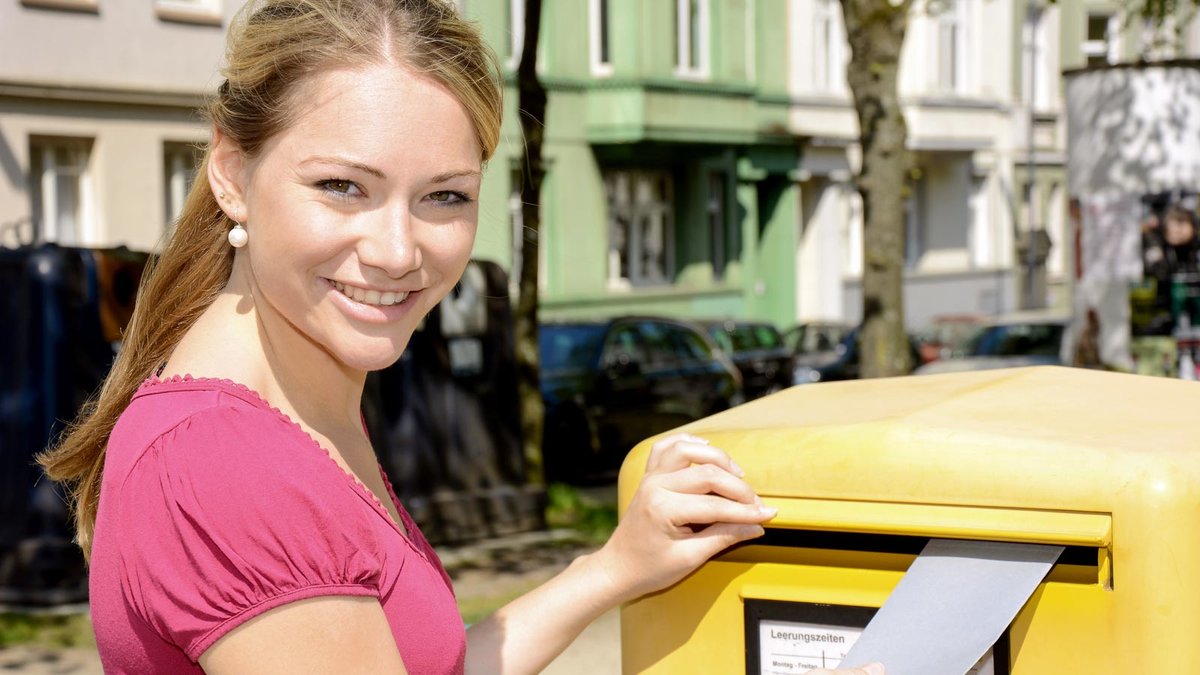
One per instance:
(238, 236)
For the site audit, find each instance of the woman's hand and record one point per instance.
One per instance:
(692, 503)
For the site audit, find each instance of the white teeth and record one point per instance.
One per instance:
(367, 297)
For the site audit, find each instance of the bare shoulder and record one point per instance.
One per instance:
(333, 634)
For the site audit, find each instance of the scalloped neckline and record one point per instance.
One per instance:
(356, 484)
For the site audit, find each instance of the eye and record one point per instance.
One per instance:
(340, 188)
(449, 197)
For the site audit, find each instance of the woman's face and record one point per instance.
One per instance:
(362, 214)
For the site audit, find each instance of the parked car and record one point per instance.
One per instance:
(817, 337)
(608, 385)
(840, 364)
(757, 350)
(1030, 339)
(947, 334)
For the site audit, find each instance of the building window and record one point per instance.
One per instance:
(61, 190)
(516, 32)
(600, 39)
(1100, 47)
(1039, 64)
(979, 234)
(718, 222)
(640, 225)
(180, 162)
(829, 60)
(952, 47)
(189, 11)
(691, 38)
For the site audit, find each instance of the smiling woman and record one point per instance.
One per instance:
(226, 491)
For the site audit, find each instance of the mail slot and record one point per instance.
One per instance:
(865, 473)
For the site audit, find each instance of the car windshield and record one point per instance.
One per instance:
(569, 346)
(1017, 339)
(814, 338)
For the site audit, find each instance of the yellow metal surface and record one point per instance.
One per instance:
(939, 520)
(1044, 455)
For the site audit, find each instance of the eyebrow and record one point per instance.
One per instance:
(440, 178)
(451, 175)
(367, 168)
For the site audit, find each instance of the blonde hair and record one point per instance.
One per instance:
(273, 46)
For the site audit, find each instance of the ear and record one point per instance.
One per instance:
(226, 176)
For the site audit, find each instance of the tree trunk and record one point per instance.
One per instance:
(875, 29)
(531, 104)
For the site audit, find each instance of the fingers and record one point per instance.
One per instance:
(679, 451)
(716, 538)
(708, 479)
(692, 510)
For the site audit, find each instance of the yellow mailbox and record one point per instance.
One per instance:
(865, 473)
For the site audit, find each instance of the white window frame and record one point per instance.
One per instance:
(635, 214)
(952, 63)
(46, 191)
(1042, 95)
(597, 18)
(829, 56)
(1107, 48)
(683, 39)
(179, 160)
(206, 12)
(979, 222)
(516, 31)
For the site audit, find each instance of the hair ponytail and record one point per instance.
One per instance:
(273, 46)
(178, 286)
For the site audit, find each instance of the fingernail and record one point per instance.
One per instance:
(697, 439)
(758, 500)
(767, 511)
(873, 669)
(737, 470)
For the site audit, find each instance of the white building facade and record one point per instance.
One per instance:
(981, 87)
(98, 121)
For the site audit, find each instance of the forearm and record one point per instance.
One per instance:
(527, 634)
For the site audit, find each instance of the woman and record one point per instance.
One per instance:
(232, 508)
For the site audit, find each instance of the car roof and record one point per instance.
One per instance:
(731, 323)
(624, 318)
(1029, 317)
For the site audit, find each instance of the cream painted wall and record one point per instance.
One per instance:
(125, 44)
(125, 166)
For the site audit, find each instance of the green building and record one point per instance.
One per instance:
(669, 187)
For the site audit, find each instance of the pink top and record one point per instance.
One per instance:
(216, 507)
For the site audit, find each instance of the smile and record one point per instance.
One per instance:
(368, 297)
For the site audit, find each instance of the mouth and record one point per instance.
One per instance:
(370, 298)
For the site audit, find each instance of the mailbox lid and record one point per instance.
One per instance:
(1043, 438)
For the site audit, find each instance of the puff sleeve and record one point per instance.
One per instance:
(233, 512)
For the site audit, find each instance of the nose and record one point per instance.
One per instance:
(391, 244)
